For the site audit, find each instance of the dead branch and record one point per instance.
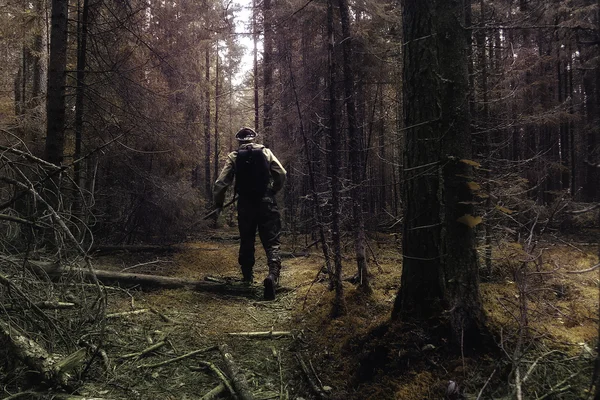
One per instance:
(183, 357)
(215, 392)
(145, 280)
(127, 313)
(220, 375)
(134, 249)
(585, 210)
(12, 218)
(269, 334)
(29, 352)
(37, 358)
(313, 385)
(142, 353)
(44, 305)
(56, 396)
(236, 375)
(583, 271)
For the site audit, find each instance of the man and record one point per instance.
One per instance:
(258, 177)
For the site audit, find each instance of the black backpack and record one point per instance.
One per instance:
(252, 172)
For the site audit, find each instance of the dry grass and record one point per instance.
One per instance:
(360, 355)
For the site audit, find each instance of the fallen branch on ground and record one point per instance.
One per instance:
(142, 353)
(37, 358)
(43, 305)
(236, 375)
(183, 357)
(269, 334)
(127, 313)
(317, 389)
(220, 374)
(134, 248)
(145, 280)
(215, 392)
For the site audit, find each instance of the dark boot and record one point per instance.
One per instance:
(247, 274)
(272, 280)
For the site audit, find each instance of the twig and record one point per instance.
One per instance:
(583, 271)
(215, 392)
(146, 263)
(558, 388)
(12, 218)
(183, 357)
(142, 353)
(485, 384)
(162, 316)
(379, 268)
(278, 356)
(316, 389)
(44, 305)
(269, 334)
(530, 370)
(127, 313)
(219, 374)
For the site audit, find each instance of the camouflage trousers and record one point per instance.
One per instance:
(262, 215)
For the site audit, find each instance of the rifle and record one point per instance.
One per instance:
(213, 212)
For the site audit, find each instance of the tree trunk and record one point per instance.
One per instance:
(55, 103)
(207, 180)
(217, 94)
(82, 30)
(255, 54)
(339, 304)
(355, 152)
(267, 72)
(440, 267)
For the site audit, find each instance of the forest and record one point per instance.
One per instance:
(441, 212)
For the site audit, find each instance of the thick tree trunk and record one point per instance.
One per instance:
(355, 152)
(440, 267)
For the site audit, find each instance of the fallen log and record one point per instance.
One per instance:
(37, 358)
(238, 379)
(131, 279)
(134, 248)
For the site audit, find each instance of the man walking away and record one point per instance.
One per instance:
(258, 177)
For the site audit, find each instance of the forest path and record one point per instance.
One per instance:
(188, 320)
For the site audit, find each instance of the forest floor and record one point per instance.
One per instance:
(360, 355)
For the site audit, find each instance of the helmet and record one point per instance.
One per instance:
(246, 134)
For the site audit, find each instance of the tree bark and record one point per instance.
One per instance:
(56, 272)
(82, 30)
(339, 305)
(355, 152)
(238, 378)
(55, 103)
(440, 266)
(207, 182)
(267, 71)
